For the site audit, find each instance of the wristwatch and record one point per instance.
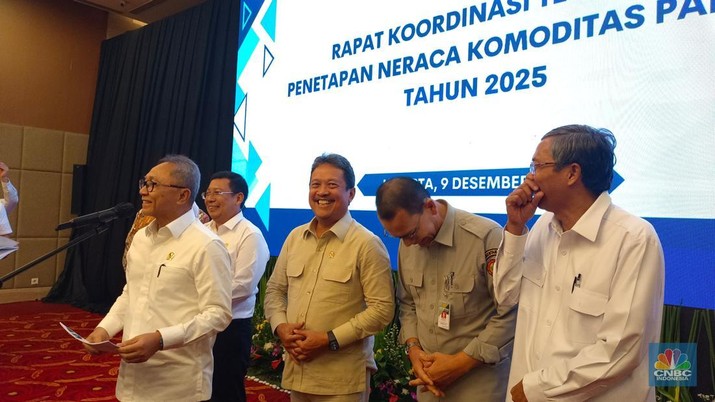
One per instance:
(410, 344)
(332, 342)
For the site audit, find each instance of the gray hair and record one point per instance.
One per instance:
(592, 148)
(185, 171)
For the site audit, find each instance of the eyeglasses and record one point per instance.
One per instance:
(206, 194)
(409, 236)
(150, 184)
(534, 165)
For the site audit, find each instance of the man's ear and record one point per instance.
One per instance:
(574, 173)
(240, 198)
(185, 196)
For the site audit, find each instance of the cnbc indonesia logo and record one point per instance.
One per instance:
(672, 366)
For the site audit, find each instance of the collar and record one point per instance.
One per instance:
(590, 222)
(175, 227)
(445, 235)
(229, 224)
(339, 229)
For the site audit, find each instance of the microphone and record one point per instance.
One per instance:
(122, 210)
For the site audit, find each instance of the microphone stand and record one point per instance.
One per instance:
(102, 227)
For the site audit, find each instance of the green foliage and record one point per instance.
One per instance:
(674, 326)
(266, 352)
(391, 380)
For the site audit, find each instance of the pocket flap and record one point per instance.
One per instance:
(294, 270)
(588, 302)
(412, 278)
(337, 273)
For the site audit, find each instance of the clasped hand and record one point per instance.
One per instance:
(436, 371)
(302, 345)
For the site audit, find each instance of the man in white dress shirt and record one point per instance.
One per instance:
(177, 296)
(249, 254)
(588, 277)
(9, 200)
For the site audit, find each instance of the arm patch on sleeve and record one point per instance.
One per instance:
(491, 257)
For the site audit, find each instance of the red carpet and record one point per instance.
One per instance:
(39, 361)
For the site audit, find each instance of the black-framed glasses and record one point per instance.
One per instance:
(150, 184)
(534, 165)
(215, 193)
(409, 236)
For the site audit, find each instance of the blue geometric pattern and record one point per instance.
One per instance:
(248, 165)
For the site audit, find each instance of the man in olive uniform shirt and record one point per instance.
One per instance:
(458, 341)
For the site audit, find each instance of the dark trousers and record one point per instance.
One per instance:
(231, 358)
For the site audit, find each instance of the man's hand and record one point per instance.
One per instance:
(286, 333)
(521, 205)
(98, 335)
(140, 348)
(444, 369)
(417, 358)
(517, 392)
(312, 344)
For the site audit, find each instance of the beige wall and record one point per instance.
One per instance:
(48, 73)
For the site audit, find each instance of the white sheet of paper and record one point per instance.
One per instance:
(106, 346)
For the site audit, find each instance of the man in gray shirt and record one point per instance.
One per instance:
(458, 341)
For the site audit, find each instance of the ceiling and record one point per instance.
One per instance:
(147, 11)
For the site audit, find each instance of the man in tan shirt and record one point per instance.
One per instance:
(330, 291)
(458, 340)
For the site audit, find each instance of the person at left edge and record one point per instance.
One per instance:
(177, 295)
(331, 290)
(249, 254)
(9, 200)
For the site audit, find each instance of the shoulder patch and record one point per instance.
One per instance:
(491, 256)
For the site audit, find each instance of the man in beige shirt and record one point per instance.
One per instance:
(330, 291)
(458, 340)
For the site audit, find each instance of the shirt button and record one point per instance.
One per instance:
(431, 306)
(548, 323)
(563, 252)
(558, 288)
(433, 281)
(431, 331)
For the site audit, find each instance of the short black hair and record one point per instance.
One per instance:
(400, 193)
(339, 162)
(236, 182)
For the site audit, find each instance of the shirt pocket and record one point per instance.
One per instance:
(337, 284)
(533, 276)
(413, 282)
(294, 272)
(168, 279)
(586, 310)
(463, 301)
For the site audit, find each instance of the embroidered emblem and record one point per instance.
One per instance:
(491, 256)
